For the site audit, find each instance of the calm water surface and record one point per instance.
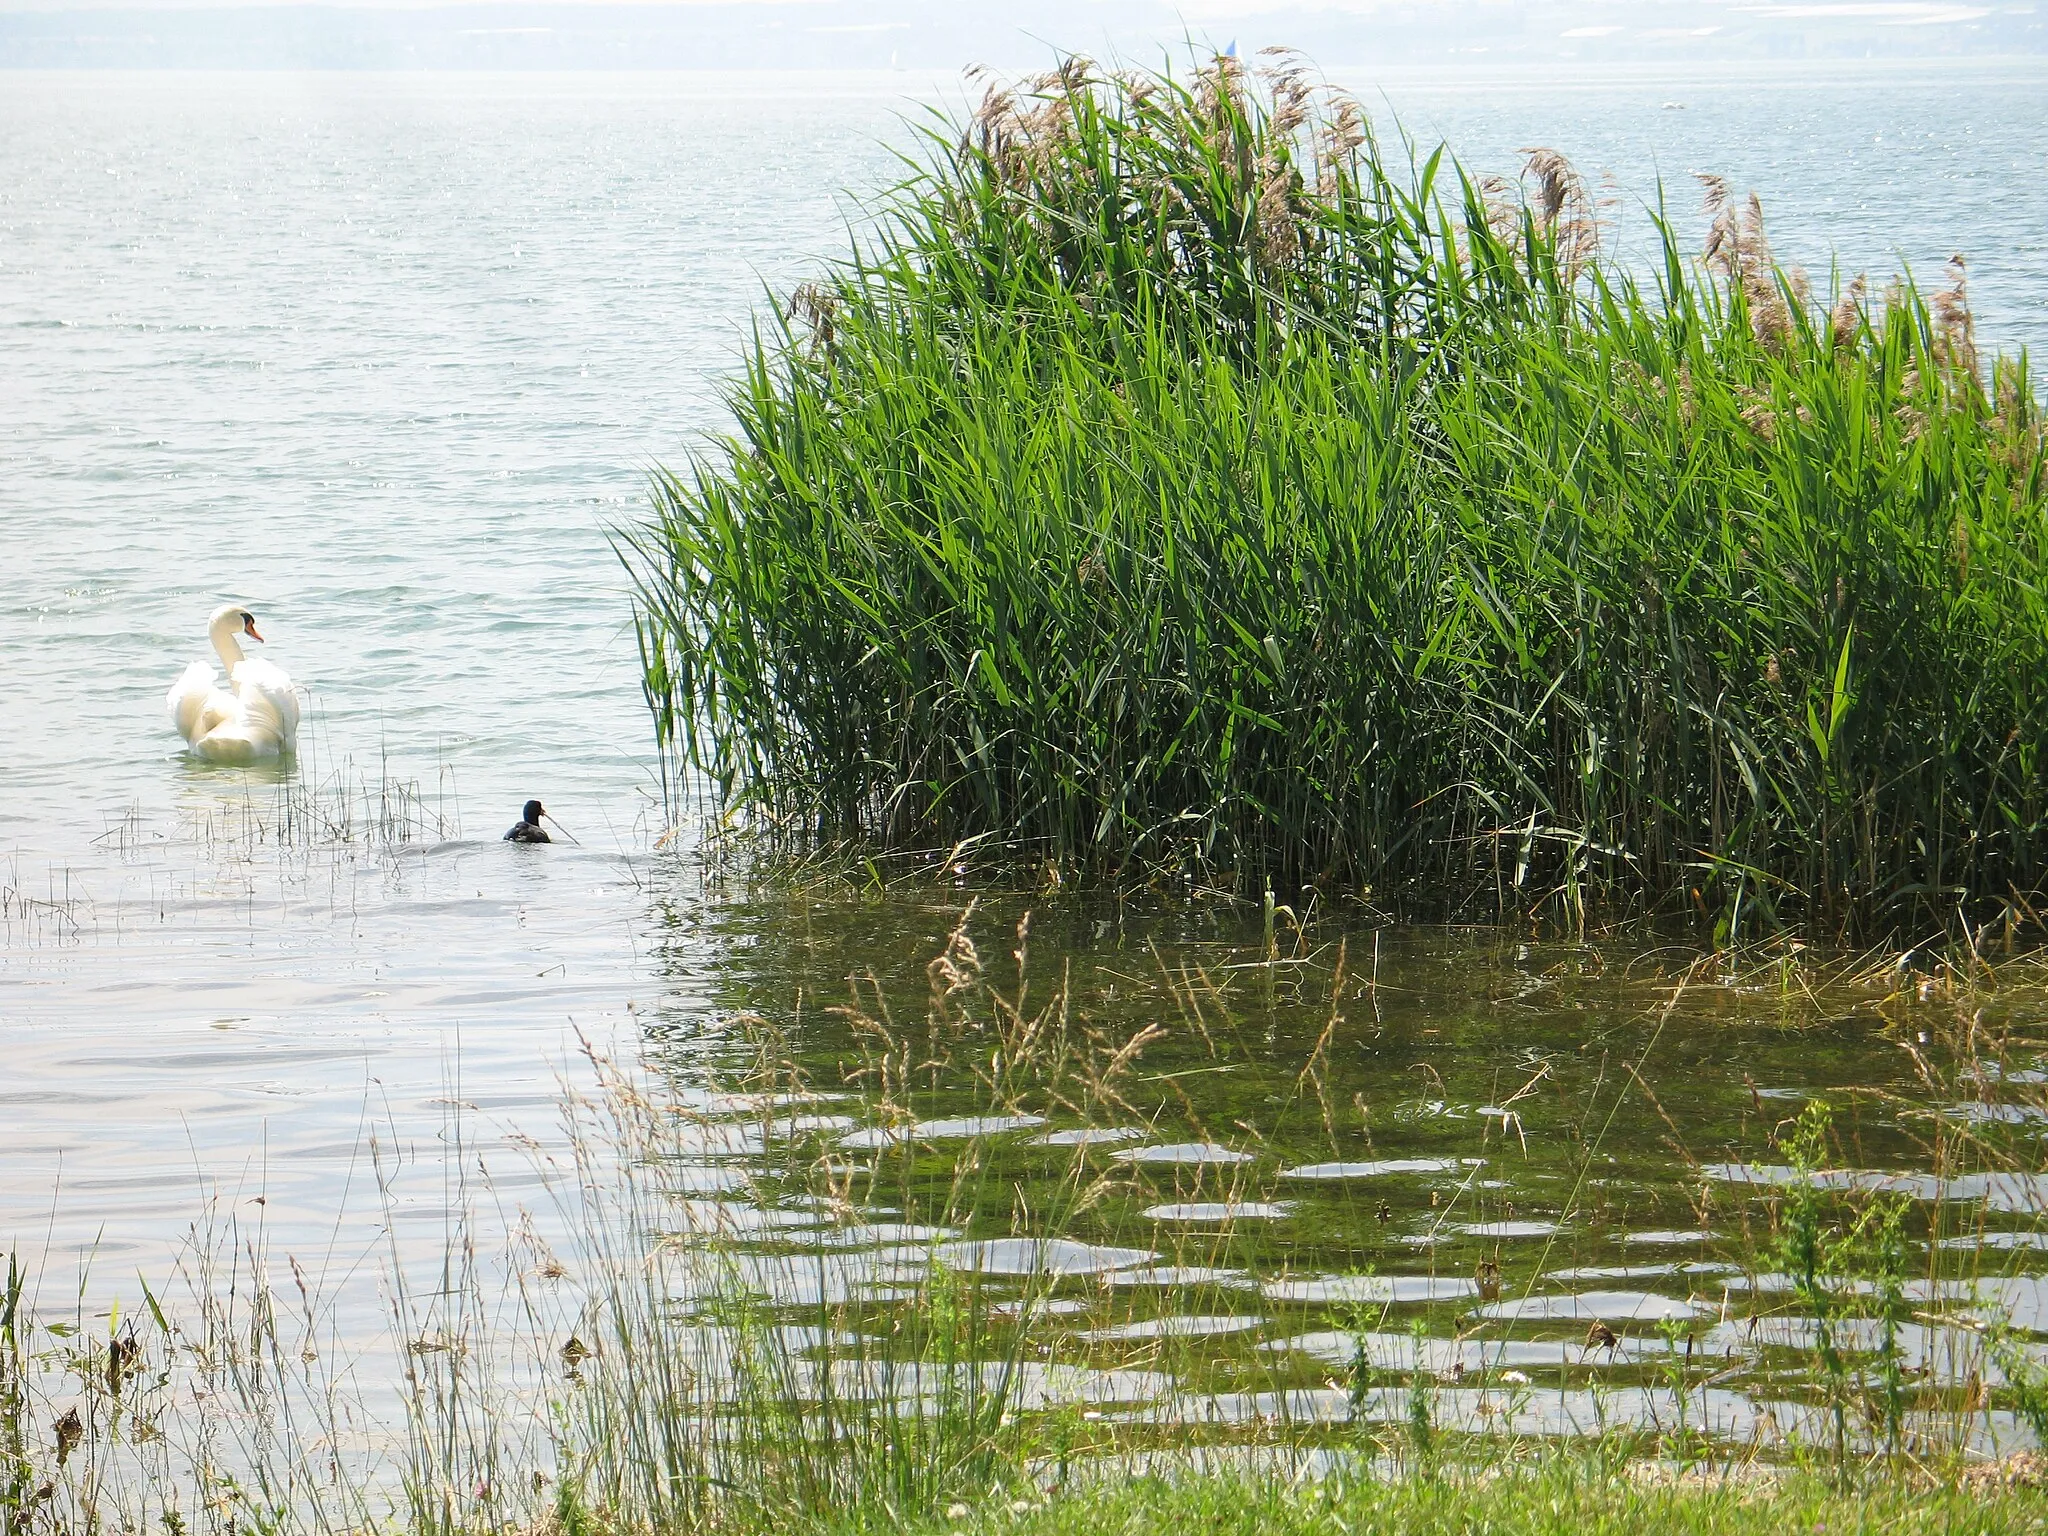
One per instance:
(385, 358)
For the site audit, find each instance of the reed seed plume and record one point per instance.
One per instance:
(1287, 80)
(1845, 323)
(1763, 284)
(1220, 89)
(815, 307)
(1557, 183)
(1501, 198)
(2015, 419)
(1955, 327)
(1724, 233)
(1563, 210)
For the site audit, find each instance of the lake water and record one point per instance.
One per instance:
(386, 358)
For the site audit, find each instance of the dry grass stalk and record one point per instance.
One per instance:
(1138, 89)
(2011, 405)
(1770, 318)
(1724, 233)
(1503, 202)
(1345, 131)
(2016, 419)
(1219, 90)
(817, 307)
(1955, 328)
(1739, 250)
(1288, 83)
(1279, 211)
(1846, 323)
(1910, 413)
(1022, 131)
(1564, 212)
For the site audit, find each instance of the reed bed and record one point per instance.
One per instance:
(1184, 480)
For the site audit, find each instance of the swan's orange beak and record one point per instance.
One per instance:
(249, 628)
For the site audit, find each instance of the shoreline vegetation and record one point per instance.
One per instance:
(762, 1299)
(1184, 482)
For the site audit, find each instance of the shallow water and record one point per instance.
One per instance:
(384, 357)
(1533, 1172)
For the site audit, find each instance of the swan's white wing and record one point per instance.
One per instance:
(268, 702)
(190, 698)
(239, 740)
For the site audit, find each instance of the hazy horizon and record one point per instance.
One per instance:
(927, 34)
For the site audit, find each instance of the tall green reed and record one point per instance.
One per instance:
(1181, 479)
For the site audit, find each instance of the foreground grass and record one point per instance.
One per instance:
(824, 1345)
(1182, 481)
(1561, 1499)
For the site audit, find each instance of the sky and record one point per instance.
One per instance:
(947, 34)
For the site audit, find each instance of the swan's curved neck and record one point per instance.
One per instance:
(225, 645)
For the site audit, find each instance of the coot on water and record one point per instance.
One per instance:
(529, 829)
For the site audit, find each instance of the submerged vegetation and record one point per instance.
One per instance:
(1181, 480)
(1004, 1262)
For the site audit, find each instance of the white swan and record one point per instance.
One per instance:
(259, 720)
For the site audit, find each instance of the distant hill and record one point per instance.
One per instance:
(946, 34)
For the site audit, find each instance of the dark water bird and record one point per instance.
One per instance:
(529, 829)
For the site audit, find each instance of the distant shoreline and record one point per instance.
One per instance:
(1475, 75)
(925, 35)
